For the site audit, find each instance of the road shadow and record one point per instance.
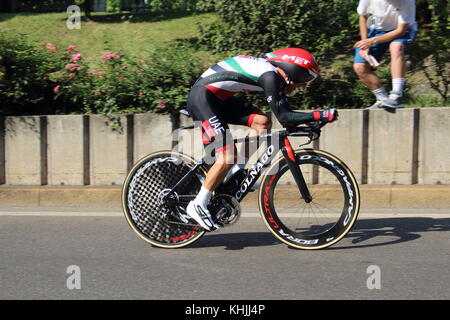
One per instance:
(365, 233)
(399, 230)
(237, 241)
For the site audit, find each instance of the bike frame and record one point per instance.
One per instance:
(265, 160)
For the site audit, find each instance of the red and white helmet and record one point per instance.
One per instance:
(299, 64)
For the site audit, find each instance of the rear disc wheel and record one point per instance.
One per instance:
(149, 180)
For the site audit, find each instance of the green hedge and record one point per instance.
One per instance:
(24, 84)
(58, 80)
(114, 5)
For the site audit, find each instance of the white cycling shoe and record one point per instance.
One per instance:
(202, 216)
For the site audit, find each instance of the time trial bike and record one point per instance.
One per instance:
(315, 211)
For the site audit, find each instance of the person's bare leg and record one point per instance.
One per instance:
(397, 60)
(371, 80)
(367, 76)
(398, 75)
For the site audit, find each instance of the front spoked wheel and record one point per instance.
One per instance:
(162, 223)
(323, 221)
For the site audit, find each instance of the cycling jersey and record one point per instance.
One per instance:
(245, 74)
(211, 100)
(237, 74)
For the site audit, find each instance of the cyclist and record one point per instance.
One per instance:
(392, 25)
(211, 102)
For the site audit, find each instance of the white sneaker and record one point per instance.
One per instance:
(377, 105)
(393, 102)
(202, 216)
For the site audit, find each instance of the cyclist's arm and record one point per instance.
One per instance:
(276, 98)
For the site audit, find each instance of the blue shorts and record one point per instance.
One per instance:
(379, 49)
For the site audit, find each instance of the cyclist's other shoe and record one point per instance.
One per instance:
(393, 101)
(202, 216)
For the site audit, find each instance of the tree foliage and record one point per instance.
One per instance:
(261, 25)
(328, 29)
(431, 54)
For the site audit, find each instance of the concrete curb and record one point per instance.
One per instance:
(372, 196)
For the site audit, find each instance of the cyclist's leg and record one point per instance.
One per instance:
(208, 111)
(240, 112)
(219, 146)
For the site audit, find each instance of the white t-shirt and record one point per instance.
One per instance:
(387, 14)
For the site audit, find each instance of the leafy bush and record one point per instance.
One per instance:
(113, 5)
(24, 84)
(159, 83)
(49, 80)
(71, 79)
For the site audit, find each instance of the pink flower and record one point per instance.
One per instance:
(100, 75)
(162, 105)
(108, 56)
(72, 67)
(142, 61)
(51, 47)
(56, 89)
(71, 75)
(76, 57)
(71, 49)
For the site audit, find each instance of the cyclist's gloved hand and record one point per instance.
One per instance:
(326, 116)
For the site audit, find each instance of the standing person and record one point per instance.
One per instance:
(384, 24)
(211, 101)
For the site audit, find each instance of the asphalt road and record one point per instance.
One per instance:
(409, 250)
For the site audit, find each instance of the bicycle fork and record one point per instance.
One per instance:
(291, 160)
